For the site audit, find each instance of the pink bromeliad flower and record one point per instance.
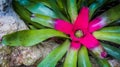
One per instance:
(81, 30)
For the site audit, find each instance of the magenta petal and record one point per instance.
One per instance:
(97, 24)
(75, 45)
(82, 20)
(89, 41)
(63, 26)
(73, 37)
(103, 54)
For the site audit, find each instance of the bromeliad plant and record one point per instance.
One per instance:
(72, 20)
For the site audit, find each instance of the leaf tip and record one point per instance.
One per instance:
(99, 51)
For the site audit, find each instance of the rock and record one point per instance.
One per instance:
(29, 55)
(4, 56)
(16, 56)
(9, 22)
(25, 55)
(114, 63)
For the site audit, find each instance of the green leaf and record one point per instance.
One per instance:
(83, 58)
(24, 14)
(115, 29)
(43, 20)
(22, 2)
(60, 4)
(32, 27)
(56, 9)
(111, 50)
(72, 9)
(95, 5)
(54, 56)
(38, 8)
(101, 62)
(91, 1)
(108, 36)
(115, 23)
(71, 58)
(81, 3)
(65, 12)
(30, 37)
(111, 15)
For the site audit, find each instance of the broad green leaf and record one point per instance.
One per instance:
(65, 12)
(111, 50)
(95, 5)
(108, 36)
(116, 23)
(101, 62)
(24, 14)
(72, 9)
(30, 37)
(43, 20)
(23, 2)
(60, 4)
(115, 29)
(38, 8)
(83, 58)
(44, 7)
(111, 15)
(71, 58)
(32, 27)
(106, 18)
(91, 1)
(56, 9)
(81, 3)
(54, 56)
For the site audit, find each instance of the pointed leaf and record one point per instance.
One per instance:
(54, 56)
(24, 14)
(65, 9)
(30, 37)
(112, 14)
(55, 8)
(115, 29)
(43, 20)
(60, 4)
(111, 50)
(38, 8)
(71, 58)
(91, 1)
(32, 27)
(82, 3)
(106, 18)
(95, 5)
(72, 9)
(108, 36)
(101, 62)
(83, 58)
